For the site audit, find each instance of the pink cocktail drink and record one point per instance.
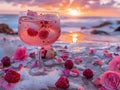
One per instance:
(39, 29)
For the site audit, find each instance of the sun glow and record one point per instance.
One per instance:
(74, 12)
(74, 38)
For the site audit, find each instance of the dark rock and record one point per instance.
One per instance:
(118, 22)
(99, 32)
(82, 28)
(102, 24)
(117, 29)
(4, 28)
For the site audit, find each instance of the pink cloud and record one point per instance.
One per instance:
(92, 3)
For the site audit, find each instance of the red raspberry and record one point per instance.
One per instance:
(6, 61)
(88, 73)
(12, 76)
(43, 34)
(62, 82)
(69, 64)
(32, 32)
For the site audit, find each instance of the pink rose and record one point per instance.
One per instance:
(114, 64)
(20, 54)
(51, 53)
(110, 80)
(48, 53)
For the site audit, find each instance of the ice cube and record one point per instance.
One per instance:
(50, 16)
(27, 18)
(32, 25)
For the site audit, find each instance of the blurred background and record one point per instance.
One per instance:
(101, 17)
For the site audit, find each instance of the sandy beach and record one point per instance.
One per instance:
(79, 47)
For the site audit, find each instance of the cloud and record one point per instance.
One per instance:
(93, 4)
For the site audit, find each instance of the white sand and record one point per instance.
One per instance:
(29, 82)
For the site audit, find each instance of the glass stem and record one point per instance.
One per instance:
(40, 58)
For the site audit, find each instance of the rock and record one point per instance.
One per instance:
(117, 29)
(100, 32)
(118, 22)
(4, 28)
(102, 24)
(82, 28)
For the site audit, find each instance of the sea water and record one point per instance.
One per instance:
(82, 25)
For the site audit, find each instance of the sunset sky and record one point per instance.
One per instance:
(65, 7)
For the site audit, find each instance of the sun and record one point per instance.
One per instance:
(74, 12)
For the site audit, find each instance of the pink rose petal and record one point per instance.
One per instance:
(6, 85)
(97, 62)
(36, 63)
(32, 55)
(107, 54)
(78, 60)
(66, 72)
(74, 70)
(92, 51)
(97, 81)
(64, 56)
(80, 88)
(59, 60)
(73, 74)
(20, 66)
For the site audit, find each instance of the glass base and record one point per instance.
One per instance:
(37, 71)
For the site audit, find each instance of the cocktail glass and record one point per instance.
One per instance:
(39, 29)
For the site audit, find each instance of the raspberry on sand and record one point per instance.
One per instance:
(88, 73)
(69, 64)
(6, 61)
(62, 82)
(12, 76)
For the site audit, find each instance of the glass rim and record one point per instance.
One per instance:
(42, 11)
